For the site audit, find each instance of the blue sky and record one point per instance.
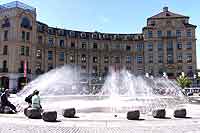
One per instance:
(118, 16)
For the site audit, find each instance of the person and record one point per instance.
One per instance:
(36, 100)
(28, 99)
(5, 102)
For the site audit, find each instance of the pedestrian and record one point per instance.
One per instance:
(28, 99)
(5, 102)
(36, 100)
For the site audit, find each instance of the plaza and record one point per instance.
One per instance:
(84, 81)
(100, 122)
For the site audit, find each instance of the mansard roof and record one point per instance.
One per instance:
(167, 14)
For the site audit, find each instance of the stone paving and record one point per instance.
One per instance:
(102, 123)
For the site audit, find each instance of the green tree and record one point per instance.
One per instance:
(183, 81)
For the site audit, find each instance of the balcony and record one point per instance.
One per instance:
(3, 70)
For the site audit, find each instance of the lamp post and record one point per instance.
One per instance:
(194, 77)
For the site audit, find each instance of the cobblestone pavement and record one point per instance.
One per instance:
(19, 124)
(102, 123)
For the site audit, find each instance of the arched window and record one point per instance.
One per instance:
(25, 23)
(5, 50)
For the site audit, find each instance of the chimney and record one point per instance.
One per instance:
(165, 9)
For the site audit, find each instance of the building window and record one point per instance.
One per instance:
(160, 46)
(106, 47)
(178, 33)
(139, 59)
(72, 45)
(62, 43)
(22, 50)
(189, 57)
(38, 68)
(190, 68)
(84, 45)
(169, 33)
(95, 46)
(128, 59)
(116, 46)
(170, 59)
(50, 66)
(5, 50)
(105, 70)
(170, 45)
(5, 37)
(160, 59)
(179, 58)
(4, 65)
(106, 59)
(28, 36)
(71, 58)
(83, 58)
(128, 48)
(150, 34)
(61, 56)
(179, 46)
(27, 51)
(139, 47)
(150, 47)
(159, 33)
(23, 35)
(189, 33)
(117, 59)
(39, 54)
(95, 60)
(25, 23)
(50, 55)
(40, 39)
(189, 45)
(50, 43)
(21, 66)
(94, 70)
(150, 58)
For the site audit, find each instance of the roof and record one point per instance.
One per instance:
(167, 14)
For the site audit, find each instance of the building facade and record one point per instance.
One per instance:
(167, 44)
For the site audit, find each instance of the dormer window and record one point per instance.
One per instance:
(72, 34)
(61, 32)
(6, 22)
(94, 36)
(25, 23)
(153, 23)
(105, 36)
(83, 35)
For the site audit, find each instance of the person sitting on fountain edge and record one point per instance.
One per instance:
(36, 100)
(28, 99)
(5, 102)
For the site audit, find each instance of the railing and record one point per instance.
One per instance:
(17, 4)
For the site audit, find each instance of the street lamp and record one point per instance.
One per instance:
(194, 77)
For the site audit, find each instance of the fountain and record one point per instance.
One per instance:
(122, 91)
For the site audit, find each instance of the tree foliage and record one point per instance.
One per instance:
(183, 81)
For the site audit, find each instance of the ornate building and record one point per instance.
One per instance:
(166, 44)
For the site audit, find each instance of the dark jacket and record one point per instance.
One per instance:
(28, 99)
(4, 99)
